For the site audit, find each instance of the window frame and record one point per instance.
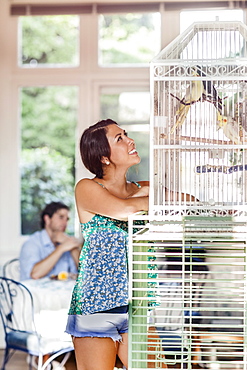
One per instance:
(88, 76)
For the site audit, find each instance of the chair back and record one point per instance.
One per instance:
(16, 307)
(11, 269)
(17, 315)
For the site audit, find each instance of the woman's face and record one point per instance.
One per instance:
(123, 151)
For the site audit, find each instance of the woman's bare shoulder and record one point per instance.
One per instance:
(84, 183)
(87, 190)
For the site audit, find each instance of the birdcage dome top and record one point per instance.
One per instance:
(210, 42)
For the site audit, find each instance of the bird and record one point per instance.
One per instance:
(193, 94)
(210, 93)
(198, 90)
(240, 113)
(230, 127)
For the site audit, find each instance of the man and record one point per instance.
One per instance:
(51, 250)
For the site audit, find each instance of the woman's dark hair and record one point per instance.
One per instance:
(49, 210)
(94, 145)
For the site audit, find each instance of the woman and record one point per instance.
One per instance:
(98, 318)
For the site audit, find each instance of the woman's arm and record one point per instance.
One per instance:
(173, 195)
(93, 198)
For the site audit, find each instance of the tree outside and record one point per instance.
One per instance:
(49, 118)
(128, 38)
(45, 177)
(49, 40)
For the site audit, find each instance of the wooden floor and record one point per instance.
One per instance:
(18, 361)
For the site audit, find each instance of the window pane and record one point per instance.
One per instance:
(131, 111)
(49, 41)
(128, 39)
(48, 122)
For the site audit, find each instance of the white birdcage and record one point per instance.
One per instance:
(188, 293)
(188, 257)
(198, 125)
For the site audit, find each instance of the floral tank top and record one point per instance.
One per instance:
(102, 282)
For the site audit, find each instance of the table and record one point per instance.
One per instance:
(51, 304)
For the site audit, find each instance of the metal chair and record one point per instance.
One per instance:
(17, 315)
(11, 269)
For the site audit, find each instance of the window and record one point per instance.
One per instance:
(48, 121)
(129, 39)
(50, 113)
(131, 110)
(49, 41)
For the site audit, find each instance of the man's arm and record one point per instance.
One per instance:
(29, 255)
(67, 244)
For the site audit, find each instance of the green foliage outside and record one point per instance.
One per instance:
(45, 177)
(129, 38)
(50, 40)
(49, 116)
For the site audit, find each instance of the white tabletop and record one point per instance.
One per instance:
(51, 304)
(50, 294)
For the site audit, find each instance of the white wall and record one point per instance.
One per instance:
(9, 144)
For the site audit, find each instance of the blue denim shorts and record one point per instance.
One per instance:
(101, 325)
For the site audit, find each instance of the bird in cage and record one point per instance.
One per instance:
(193, 94)
(240, 113)
(210, 93)
(198, 90)
(231, 128)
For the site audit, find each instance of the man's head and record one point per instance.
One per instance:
(55, 216)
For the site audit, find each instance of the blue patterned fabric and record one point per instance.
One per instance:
(102, 282)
